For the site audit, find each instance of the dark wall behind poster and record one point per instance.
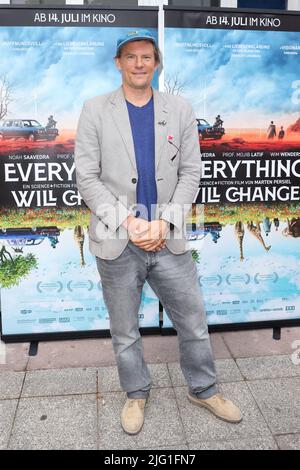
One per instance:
(263, 4)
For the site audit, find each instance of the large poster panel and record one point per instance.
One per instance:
(241, 74)
(51, 61)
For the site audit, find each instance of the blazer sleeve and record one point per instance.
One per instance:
(189, 171)
(88, 171)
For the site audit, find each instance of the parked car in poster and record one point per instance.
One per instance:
(29, 129)
(207, 131)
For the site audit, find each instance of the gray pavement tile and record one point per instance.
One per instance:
(55, 423)
(10, 384)
(279, 401)
(218, 345)
(227, 371)
(108, 379)
(60, 382)
(201, 425)
(268, 367)
(176, 374)
(13, 356)
(160, 375)
(160, 349)
(261, 443)
(162, 426)
(73, 353)
(288, 441)
(255, 343)
(7, 413)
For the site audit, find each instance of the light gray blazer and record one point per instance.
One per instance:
(106, 171)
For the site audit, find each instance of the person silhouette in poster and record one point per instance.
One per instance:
(218, 122)
(51, 122)
(276, 223)
(267, 225)
(281, 133)
(271, 130)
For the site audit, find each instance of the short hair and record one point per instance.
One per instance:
(157, 53)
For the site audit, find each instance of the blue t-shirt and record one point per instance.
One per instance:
(142, 127)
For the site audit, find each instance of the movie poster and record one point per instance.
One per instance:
(242, 75)
(51, 62)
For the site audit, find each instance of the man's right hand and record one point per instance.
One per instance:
(135, 227)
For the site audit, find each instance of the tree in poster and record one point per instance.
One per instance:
(5, 96)
(13, 269)
(174, 85)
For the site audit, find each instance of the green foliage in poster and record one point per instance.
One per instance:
(13, 269)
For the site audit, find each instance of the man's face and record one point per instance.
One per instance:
(137, 64)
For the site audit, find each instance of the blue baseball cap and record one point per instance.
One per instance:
(136, 35)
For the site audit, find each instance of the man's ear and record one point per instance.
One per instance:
(117, 62)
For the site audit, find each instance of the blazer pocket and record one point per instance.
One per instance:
(173, 156)
(173, 150)
(97, 230)
(173, 160)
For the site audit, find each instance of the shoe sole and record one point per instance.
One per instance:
(194, 401)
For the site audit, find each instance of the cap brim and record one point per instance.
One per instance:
(140, 38)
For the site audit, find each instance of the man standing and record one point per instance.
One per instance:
(138, 168)
(271, 132)
(281, 133)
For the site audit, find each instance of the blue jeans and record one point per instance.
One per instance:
(173, 278)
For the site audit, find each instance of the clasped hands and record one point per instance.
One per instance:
(149, 236)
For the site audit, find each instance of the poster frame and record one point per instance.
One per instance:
(265, 324)
(68, 335)
(12, 338)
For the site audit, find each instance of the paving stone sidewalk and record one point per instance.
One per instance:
(68, 396)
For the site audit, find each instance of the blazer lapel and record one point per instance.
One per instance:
(160, 125)
(121, 118)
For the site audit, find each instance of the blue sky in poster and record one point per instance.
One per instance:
(248, 90)
(51, 79)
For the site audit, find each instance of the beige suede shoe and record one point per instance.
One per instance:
(132, 416)
(220, 407)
